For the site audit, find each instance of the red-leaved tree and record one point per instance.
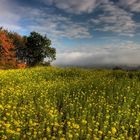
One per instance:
(7, 51)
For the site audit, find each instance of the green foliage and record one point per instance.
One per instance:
(24, 50)
(53, 103)
(20, 45)
(38, 47)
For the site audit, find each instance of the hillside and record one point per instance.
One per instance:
(70, 103)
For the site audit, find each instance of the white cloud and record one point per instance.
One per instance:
(41, 20)
(60, 26)
(115, 19)
(136, 7)
(128, 2)
(75, 6)
(121, 54)
(8, 18)
(133, 5)
(88, 6)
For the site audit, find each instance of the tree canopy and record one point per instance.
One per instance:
(7, 53)
(17, 50)
(38, 48)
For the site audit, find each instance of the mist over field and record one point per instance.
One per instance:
(100, 56)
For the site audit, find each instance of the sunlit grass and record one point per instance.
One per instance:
(52, 103)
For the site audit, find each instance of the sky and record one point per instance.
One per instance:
(84, 32)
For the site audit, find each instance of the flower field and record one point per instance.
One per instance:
(73, 104)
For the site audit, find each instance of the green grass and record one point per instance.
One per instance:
(72, 104)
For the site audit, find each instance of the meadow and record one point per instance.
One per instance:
(48, 103)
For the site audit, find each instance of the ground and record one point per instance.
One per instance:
(70, 103)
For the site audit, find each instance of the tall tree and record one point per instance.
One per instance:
(38, 48)
(7, 53)
(19, 43)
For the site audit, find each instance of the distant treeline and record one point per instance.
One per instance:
(18, 51)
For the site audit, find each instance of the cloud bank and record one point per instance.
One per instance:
(124, 54)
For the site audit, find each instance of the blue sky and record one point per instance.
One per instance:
(84, 32)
